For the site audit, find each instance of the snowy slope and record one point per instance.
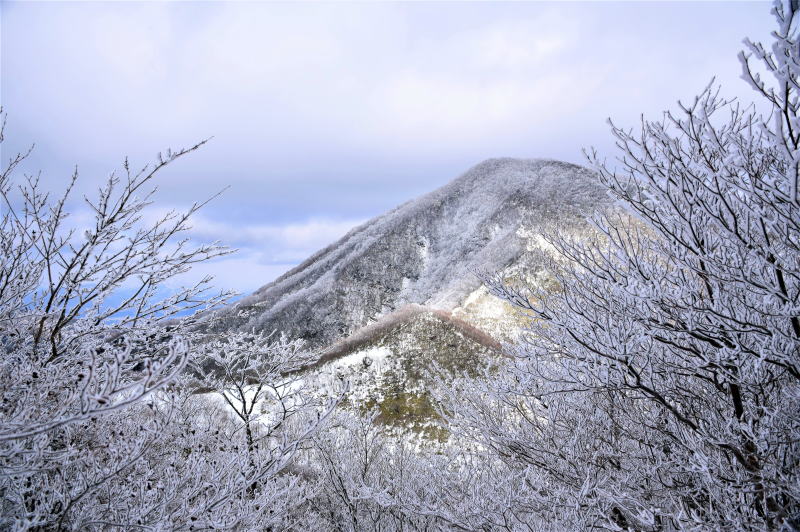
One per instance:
(423, 252)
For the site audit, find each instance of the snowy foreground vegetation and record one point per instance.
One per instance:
(655, 386)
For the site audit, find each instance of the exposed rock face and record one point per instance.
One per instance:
(425, 251)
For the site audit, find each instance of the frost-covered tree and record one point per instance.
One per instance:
(260, 380)
(657, 386)
(368, 480)
(101, 426)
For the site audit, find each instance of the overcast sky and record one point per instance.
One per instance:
(326, 114)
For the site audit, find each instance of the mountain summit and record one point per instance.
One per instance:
(423, 252)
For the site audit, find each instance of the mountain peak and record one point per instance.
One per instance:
(423, 252)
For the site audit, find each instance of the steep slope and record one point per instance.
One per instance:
(425, 251)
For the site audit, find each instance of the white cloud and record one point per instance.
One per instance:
(274, 243)
(243, 272)
(350, 76)
(263, 253)
(432, 108)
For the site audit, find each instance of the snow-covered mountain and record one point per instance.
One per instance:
(424, 252)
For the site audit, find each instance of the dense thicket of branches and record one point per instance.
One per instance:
(99, 424)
